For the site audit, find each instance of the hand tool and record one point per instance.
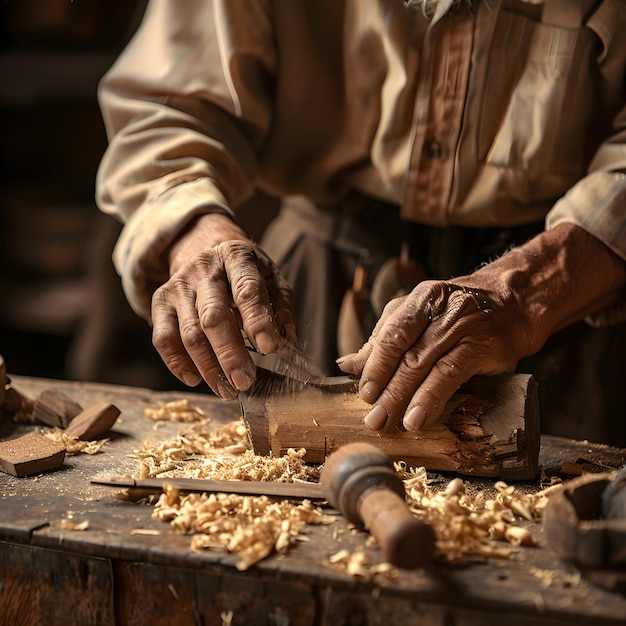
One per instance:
(576, 528)
(361, 483)
(311, 491)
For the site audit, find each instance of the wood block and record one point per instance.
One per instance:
(30, 454)
(93, 421)
(489, 428)
(54, 408)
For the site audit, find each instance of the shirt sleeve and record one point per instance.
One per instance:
(598, 204)
(186, 108)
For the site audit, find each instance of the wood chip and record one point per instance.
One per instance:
(93, 421)
(30, 454)
(54, 408)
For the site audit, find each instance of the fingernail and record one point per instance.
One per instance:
(370, 391)
(225, 391)
(191, 378)
(241, 379)
(376, 418)
(265, 343)
(415, 418)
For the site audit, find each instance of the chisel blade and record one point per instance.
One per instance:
(309, 491)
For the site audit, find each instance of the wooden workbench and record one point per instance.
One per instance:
(117, 573)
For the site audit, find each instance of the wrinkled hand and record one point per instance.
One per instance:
(216, 290)
(428, 343)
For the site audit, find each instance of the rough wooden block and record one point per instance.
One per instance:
(93, 421)
(54, 408)
(489, 428)
(30, 454)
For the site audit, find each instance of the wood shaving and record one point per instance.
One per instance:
(359, 566)
(177, 411)
(74, 445)
(252, 527)
(67, 524)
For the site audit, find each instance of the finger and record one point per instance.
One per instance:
(448, 374)
(432, 371)
(395, 336)
(177, 323)
(166, 340)
(223, 351)
(250, 295)
(405, 401)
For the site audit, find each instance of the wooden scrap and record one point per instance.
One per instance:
(30, 454)
(93, 421)
(13, 404)
(55, 408)
(14, 401)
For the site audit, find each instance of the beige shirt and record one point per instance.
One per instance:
(500, 115)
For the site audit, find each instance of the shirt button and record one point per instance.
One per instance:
(433, 149)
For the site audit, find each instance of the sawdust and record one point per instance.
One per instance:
(466, 522)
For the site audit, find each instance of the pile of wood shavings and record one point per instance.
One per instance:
(74, 445)
(252, 527)
(224, 454)
(473, 524)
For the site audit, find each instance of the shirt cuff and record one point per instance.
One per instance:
(140, 255)
(598, 205)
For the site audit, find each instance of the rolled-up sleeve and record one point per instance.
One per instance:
(186, 108)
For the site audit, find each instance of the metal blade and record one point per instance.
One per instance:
(310, 491)
(289, 361)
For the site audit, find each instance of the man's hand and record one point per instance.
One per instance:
(220, 284)
(428, 343)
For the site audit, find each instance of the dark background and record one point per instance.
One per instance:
(62, 312)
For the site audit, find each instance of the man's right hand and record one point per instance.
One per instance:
(220, 284)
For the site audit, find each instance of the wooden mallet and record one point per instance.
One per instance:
(360, 481)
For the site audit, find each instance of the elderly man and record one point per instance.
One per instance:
(486, 139)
